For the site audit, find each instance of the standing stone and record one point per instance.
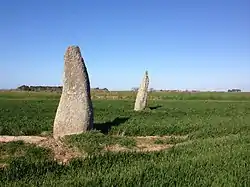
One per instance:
(141, 98)
(75, 111)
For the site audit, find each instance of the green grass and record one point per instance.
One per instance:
(198, 118)
(210, 162)
(171, 140)
(26, 117)
(14, 150)
(93, 142)
(216, 153)
(19, 95)
(128, 95)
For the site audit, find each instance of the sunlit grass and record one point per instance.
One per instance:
(216, 152)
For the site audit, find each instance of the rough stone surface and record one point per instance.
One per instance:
(142, 94)
(75, 111)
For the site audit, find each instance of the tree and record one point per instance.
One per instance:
(135, 89)
(151, 89)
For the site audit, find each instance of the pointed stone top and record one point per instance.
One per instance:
(73, 53)
(74, 48)
(146, 72)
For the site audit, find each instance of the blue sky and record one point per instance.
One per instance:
(195, 44)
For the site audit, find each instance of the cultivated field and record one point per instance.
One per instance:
(181, 139)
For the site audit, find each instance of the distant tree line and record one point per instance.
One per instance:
(49, 88)
(100, 89)
(59, 89)
(40, 88)
(234, 90)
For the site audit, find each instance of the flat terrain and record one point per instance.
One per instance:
(181, 139)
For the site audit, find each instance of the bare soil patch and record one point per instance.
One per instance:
(145, 144)
(63, 153)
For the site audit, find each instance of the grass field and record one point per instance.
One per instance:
(214, 152)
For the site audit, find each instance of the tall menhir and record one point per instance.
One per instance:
(74, 114)
(141, 98)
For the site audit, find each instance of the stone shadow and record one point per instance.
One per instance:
(155, 107)
(106, 127)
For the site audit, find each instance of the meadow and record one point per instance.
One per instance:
(200, 139)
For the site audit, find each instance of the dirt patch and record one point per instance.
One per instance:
(3, 165)
(116, 148)
(62, 153)
(26, 139)
(146, 144)
(163, 137)
(139, 148)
